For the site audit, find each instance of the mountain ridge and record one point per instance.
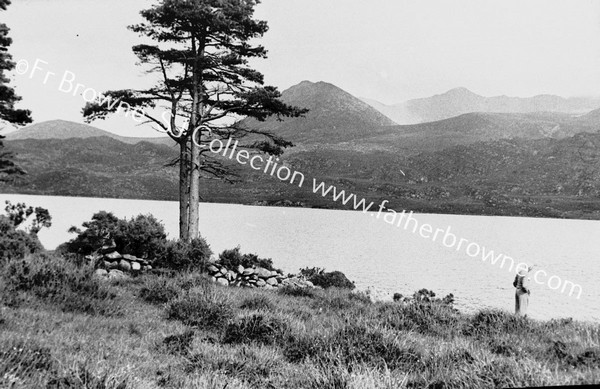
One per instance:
(461, 100)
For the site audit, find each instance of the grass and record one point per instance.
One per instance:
(184, 332)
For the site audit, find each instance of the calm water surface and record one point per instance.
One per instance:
(372, 252)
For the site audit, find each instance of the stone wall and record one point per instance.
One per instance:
(254, 277)
(109, 263)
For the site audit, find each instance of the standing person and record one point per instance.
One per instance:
(522, 292)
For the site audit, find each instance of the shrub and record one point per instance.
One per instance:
(233, 258)
(353, 344)
(326, 280)
(183, 256)
(297, 291)
(203, 308)
(494, 321)
(180, 344)
(143, 236)
(55, 280)
(16, 244)
(263, 329)
(159, 290)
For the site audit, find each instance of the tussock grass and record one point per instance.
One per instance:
(181, 331)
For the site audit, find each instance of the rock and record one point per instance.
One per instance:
(135, 266)
(130, 257)
(107, 249)
(222, 281)
(260, 283)
(101, 273)
(224, 271)
(113, 265)
(240, 269)
(268, 287)
(310, 284)
(124, 265)
(93, 257)
(262, 273)
(231, 275)
(213, 269)
(149, 267)
(272, 281)
(117, 275)
(248, 272)
(113, 256)
(213, 279)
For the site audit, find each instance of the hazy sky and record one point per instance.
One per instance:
(388, 50)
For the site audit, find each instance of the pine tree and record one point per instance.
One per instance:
(201, 54)
(8, 98)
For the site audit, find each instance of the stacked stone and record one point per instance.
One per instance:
(252, 277)
(109, 261)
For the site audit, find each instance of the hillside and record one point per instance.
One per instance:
(459, 101)
(63, 129)
(535, 164)
(334, 115)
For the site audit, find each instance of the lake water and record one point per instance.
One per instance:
(372, 252)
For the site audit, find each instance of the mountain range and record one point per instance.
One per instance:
(503, 163)
(459, 101)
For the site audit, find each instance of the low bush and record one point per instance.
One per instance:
(204, 308)
(143, 236)
(257, 328)
(55, 280)
(159, 290)
(352, 345)
(490, 322)
(183, 256)
(180, 344)
(326, 280)
(16, 244)
(234, 258)
(297, 291)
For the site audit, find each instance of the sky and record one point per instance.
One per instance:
(387, 50)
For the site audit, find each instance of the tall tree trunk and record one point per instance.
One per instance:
(196, 120)
(184, 191)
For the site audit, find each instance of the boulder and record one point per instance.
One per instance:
(124, 265)
(111, 265)
(268, 287)
(213, 279)
(248, 272)
(213, 269)
(101, 273)
(262, 273)
(240, 269)
(260, 283)
(130, 257)
(222, 281)
(113, 256)
(272, 281)
(231, 275)
(149, 267)
(117, 275)
(135, 266)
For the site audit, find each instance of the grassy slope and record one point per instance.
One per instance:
(184, 332)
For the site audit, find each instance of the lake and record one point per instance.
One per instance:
(372, 252)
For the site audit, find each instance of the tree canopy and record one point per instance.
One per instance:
(205, 86)
(8, 98)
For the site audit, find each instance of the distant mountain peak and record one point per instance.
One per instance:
(461, 91)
